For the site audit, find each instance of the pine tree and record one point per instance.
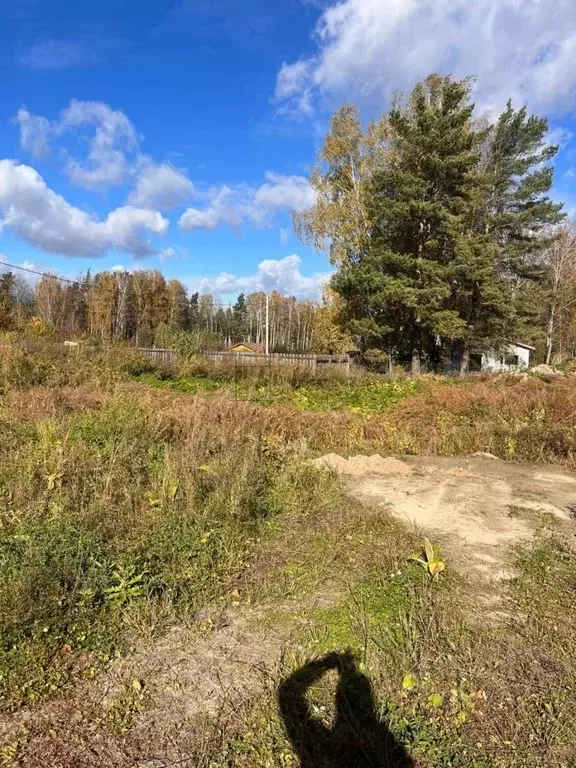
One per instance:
(519, 214)
(193, 313)
(404, 292)
(518, 208)
(239, 312)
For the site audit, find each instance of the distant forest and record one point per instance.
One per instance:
(146, 309)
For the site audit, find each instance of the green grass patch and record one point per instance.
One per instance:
(370, 397)
(373, 611)
(112, 527)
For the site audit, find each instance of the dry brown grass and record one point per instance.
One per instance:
(513, 418)
(81, 455)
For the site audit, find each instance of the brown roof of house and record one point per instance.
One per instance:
(258, 349)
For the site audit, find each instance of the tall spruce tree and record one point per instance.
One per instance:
(239, 317)
(404, 292)
(518, 209)
(459, 215)
(519, 214)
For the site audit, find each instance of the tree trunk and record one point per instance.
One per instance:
(550, 333)
(415, 366)
(464, 359)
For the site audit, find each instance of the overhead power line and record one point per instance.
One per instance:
(36, 272)
(220, 305)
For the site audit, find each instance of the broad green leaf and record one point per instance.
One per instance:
(409, 682)
(435, 700)
(429, 549)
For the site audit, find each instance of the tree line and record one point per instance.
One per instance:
(440, 227)
(144, 308)
(439, 223)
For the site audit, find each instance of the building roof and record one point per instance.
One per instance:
(521, 344)
(257, 349)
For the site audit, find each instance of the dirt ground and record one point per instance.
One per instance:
(477, 505)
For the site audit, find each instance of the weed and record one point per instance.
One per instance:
(123, 707)
(119, 514)
(362, 397)
(430, 560)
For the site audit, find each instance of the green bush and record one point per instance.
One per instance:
(120, 522)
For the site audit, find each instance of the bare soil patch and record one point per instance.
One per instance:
(473, 503)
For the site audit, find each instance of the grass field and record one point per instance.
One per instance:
(134, 502)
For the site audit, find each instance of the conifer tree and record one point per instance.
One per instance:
(403, 292)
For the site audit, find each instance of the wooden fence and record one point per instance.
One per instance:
(233, 359)
(280, 358)
(163, 356)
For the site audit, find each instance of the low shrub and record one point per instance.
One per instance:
(124, 522)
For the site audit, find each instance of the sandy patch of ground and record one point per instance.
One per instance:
(475, 504)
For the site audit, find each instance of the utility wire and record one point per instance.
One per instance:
(36, 272)
(220, 305)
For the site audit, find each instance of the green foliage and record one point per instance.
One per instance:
(118, 524)
(376, 397)
(404, 291)
(455, 212)
(368, 397)
(124, 706)
(430, 560)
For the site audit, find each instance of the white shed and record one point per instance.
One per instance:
(512, 358)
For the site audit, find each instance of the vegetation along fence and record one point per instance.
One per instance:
(340, 362)
(163, 356)
(279, 358)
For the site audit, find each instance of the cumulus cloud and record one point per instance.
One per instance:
(233, 206)
(160, 185)
(282, 275)
(46, 220)
(166, 254)
(114, 136)
(112, 141)
(279, 191)
(35, 133)
(525, 50)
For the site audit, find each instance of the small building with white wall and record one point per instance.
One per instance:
(511, 358)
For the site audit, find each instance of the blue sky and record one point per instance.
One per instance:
(178, 135)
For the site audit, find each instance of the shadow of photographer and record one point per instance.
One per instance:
(358, 738)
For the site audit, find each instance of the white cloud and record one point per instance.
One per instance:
(34, 133)
(111, 139)
(166, 254)
(226, 206)
(279, 191)
(560, 136)
(523, 49)
(160, 185)
(114, 136)
(284, 236)
(282, 275)
(57, 54)
(46, 220)
(233, 206)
